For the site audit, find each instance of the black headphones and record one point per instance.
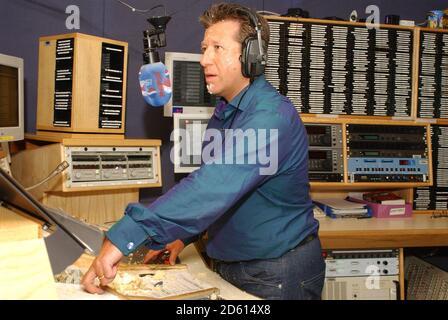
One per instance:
(253, 57)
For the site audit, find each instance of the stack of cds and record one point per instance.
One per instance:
(436, 197)
(341, 69)
(433, 80)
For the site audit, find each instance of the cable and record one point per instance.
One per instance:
(142, 10)
(263, 12)
(61, 167)
(157, 6)
(236, 111)
(238, 107)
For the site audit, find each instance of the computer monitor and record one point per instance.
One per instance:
(188, 135)
(190, 93)
(11, 98)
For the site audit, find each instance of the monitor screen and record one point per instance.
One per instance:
(190, 93)
(11, 98)
(188, 135)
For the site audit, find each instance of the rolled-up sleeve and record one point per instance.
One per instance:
(198, 200)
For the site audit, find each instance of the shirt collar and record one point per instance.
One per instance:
(243, 103)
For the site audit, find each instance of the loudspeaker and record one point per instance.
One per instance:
(253, 57)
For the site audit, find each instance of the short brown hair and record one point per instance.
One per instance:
(232, 11)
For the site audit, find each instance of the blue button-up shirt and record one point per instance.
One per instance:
(248, 215)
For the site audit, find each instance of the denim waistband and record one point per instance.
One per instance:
(306, 240)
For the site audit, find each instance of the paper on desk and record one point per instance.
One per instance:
(160, 284)
(176, 283)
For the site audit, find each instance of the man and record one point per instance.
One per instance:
(261, 231)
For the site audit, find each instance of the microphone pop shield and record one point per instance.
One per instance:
(155, 84)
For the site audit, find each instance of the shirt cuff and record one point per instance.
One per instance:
(190, 240)
(154, 246)
(127, 235)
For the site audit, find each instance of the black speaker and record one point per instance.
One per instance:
(253, 57)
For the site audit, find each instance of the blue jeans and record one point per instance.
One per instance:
(297, 275)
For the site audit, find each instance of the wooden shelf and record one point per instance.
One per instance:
(336, 22)
(91, 139)
(344, 118)
(416, 231)
(430, 212)
(367, 185)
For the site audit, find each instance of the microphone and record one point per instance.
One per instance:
(154, 77)
(155, 84)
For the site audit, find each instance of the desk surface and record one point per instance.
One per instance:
(196, 265)
(189, 256)
(15, 227)
(416, 231)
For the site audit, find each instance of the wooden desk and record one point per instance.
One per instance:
(197, 266)
(417, 231)
(25, 271)
(14, 227)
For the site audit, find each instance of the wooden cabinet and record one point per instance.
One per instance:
(82, 84)
(97, 200)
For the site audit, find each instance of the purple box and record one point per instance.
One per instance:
(387, 210)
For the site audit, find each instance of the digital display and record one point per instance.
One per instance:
(316, 129)
(407, 162)
(9, 96)
(313, 154)
(370, 137)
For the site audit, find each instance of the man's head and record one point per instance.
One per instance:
(226, 27)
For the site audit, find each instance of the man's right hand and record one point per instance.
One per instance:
(104, 268)
(174, 248)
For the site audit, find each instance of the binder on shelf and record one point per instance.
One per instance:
(340, 208)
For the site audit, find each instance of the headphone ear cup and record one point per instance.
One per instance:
(250, 65)
(243, 58)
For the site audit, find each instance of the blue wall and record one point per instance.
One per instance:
(22, 22)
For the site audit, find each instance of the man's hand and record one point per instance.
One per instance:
(104, 267)
(174, 248)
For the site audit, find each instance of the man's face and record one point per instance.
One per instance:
(221, 59)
